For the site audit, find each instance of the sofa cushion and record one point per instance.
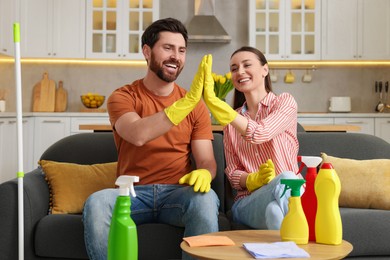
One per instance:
(60, 236)
(367, 230)
(364, 183)
(71, 184)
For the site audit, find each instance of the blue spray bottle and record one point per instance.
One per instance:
(122, 239)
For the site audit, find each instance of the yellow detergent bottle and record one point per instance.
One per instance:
(122, 238)
(294, 225)
(328, 224)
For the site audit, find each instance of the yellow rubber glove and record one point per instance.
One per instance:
(200, 179)
(221, 111)
(182, 107)
(263, 176)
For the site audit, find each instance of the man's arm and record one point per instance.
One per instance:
(138, 131)
(203, 153)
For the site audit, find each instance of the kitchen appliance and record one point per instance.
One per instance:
(340, 104)
(204, 26)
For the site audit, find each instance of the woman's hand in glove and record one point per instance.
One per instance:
(263, 176)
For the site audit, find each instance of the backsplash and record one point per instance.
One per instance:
(358, 83)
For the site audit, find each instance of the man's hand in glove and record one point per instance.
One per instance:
(200, 179)
(182, 107)
(263, 176)
(221, 111)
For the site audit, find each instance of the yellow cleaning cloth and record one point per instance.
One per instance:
(208, 241)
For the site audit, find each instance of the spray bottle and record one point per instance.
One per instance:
(309, 199)
(294, 225)
(328, 224)
(122, 238)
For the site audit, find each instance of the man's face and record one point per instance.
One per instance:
(168, 55)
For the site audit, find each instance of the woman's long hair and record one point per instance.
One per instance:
(239, 97)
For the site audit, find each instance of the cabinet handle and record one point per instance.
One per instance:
(388, 122)
(2, 122)
(4, 49)
(51, 121)
(354, 122)
(14, 121)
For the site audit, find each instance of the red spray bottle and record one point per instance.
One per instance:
(309, 199)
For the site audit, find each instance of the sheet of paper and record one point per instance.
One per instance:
(275, 250)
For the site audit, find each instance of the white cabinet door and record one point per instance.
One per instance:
(49, 130)
(367, 125)
(77, 121)
(355, 29)
(382, 128)
(8, 15)
(9, 147)
(53, 28)
(286, 30)
(114, 28)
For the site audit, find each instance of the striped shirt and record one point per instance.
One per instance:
(272, 135)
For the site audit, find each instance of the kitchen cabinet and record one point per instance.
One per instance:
(367, 125)
(316, 120)
(9, 147)
(75, 123)
(382, 128)
(53, 28)
(9, 13)
(355, 30)
(47, 131)
(285, 29)
(114, 28)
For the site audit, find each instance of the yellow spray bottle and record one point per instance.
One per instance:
(294, 225)
(122, 238)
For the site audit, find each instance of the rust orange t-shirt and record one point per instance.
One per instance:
(165, 159)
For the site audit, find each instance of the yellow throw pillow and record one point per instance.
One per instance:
(71, 184)
(364, 183)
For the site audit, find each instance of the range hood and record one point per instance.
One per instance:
(204, 26)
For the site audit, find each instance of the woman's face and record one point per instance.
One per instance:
(247, 72)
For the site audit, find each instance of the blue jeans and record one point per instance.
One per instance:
(175, 205)
(264, 208)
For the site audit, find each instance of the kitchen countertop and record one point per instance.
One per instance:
(219, 128)
(98, 114)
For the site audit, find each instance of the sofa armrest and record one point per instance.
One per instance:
(36, 206)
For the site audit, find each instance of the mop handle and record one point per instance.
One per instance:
(19, 120)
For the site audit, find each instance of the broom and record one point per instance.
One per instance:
(19, 112)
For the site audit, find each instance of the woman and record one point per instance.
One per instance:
(260, 140)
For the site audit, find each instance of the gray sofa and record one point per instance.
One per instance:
(61, 236)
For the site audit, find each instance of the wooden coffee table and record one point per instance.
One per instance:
(316, 251)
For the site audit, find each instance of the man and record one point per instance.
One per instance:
(156, 126)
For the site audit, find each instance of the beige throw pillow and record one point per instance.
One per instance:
(364, 183)
(71, 184)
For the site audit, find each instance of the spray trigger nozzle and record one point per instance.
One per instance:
(126, 186)
(294, 185)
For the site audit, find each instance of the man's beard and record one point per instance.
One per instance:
(167, 77)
